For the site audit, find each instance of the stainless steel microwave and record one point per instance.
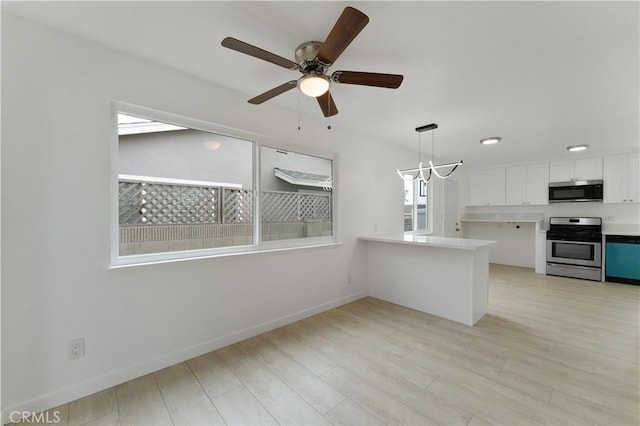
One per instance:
(579, 190)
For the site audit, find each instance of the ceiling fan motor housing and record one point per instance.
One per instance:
(306, 56)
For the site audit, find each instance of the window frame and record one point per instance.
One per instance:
(258, 141)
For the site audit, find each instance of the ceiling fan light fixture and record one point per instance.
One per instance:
(314, 85)
(576, 148)
(491, 141)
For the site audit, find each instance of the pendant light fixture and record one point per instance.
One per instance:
(433, 169)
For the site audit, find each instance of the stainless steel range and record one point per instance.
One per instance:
(574, 247)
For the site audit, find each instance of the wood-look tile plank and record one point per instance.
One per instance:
(477, 421)
(622, 371)
(380, 404)
(231, 353)
(140, 403)
(349, 413)
(213, 374)
(595, 413)
(303, 381)
(239, 407)
(413, 396)
(474, 373)
(360, 331)
(407, 320)
(186, 400)
(111, 419)
(303, 354)
(590, 391)
(478, 403)
(379, 360)
(92, 407)
(515, 394)
(286, 406)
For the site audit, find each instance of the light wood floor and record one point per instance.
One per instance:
(551, 351)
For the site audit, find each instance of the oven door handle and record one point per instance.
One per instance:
(574, 242)
(573, 266)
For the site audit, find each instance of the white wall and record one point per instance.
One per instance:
(187, 154)
(56, 284)
(517, 241)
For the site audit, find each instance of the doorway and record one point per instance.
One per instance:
(450, 213)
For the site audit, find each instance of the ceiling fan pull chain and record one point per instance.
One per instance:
(329, 109)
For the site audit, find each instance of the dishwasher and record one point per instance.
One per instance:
(622, 262)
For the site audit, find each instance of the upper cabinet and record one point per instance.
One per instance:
(527, 184)
(487, 187)
(621, 176)
(565, 171)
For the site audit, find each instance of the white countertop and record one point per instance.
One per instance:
(429, 241)
(503, 217)
(632, 229)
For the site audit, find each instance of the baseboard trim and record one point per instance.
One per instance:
(88, 387)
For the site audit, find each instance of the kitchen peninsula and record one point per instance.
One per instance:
(447, 277)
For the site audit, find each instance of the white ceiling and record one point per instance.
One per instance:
(543, 75)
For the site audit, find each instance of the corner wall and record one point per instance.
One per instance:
(56, 285)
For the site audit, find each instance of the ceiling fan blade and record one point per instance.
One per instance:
(273, 92)
(347, 27)
(256, 52)
(390, 81)
(327, 105)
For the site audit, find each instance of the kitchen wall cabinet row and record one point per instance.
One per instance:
(529, 184)
(566, 171)
(509, 186)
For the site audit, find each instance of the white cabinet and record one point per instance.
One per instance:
(565, 171)
(621, 177)
(538, 184)
(496, 187)
(487, 187)
(527, 184)
(516, 185)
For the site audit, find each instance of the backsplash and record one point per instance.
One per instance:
(610, 213)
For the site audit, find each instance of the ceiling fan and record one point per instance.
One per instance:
(314, 58)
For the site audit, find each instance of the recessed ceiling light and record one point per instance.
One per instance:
(576, 148)
(490, 141)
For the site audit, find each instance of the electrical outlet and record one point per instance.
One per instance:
(76, 348)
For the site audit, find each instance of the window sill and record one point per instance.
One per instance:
(155, 259)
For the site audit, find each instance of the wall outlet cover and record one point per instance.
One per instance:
(76, 348)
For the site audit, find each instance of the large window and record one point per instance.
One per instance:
(184, 192)
(416, 216)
